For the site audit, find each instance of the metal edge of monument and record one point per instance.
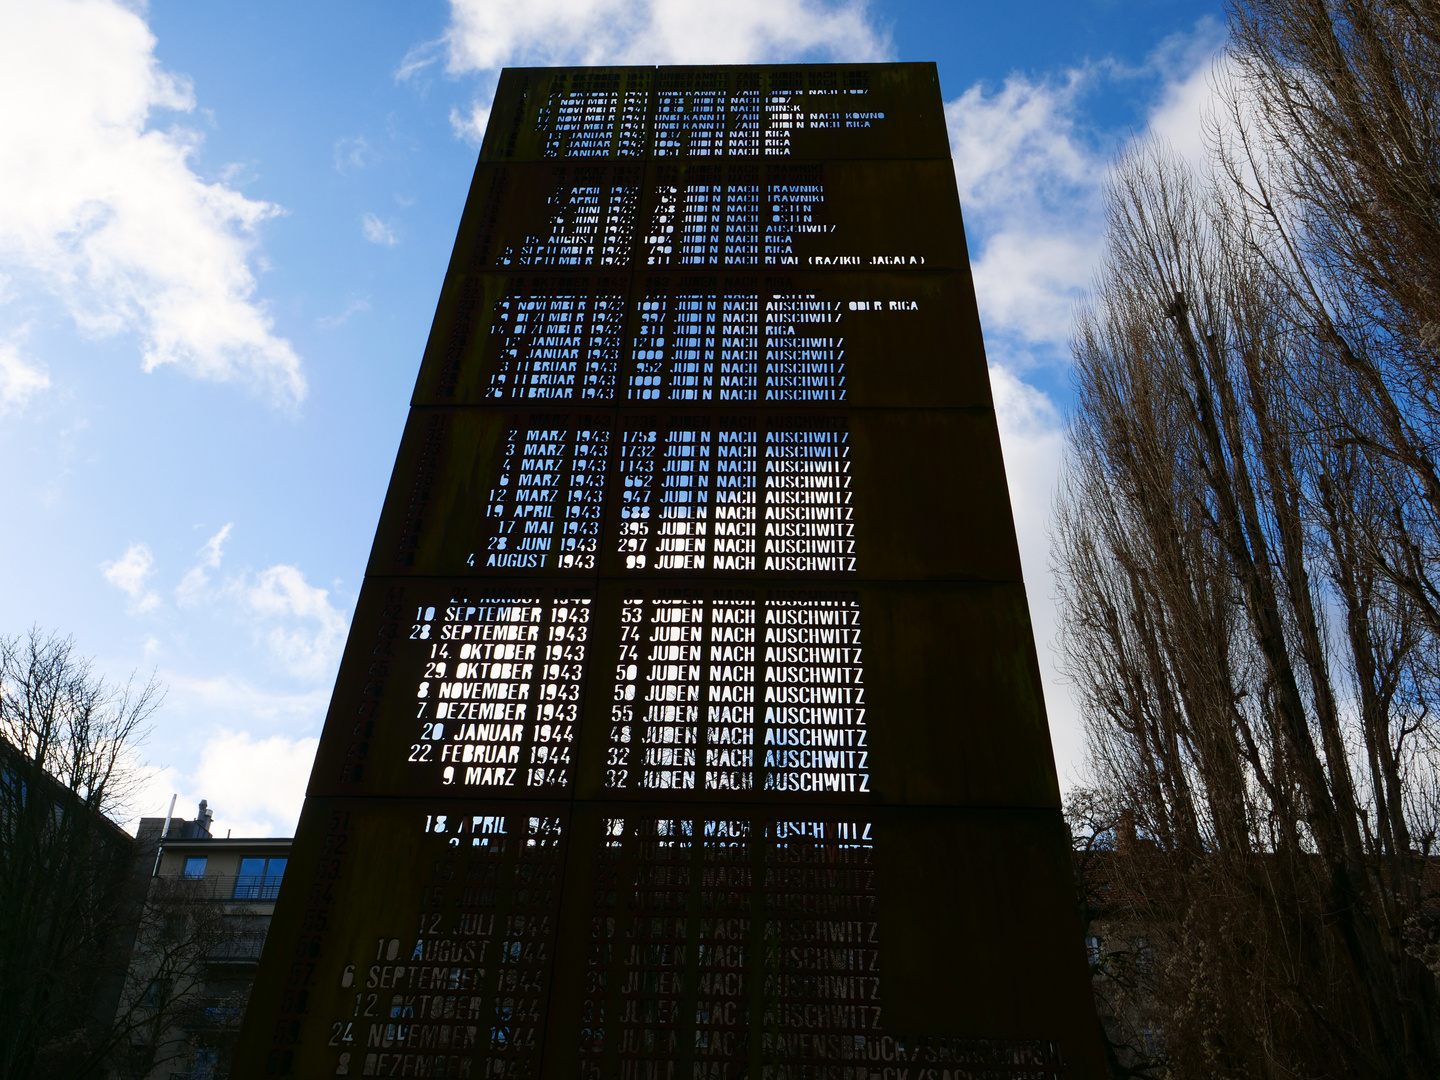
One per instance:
(690, 723)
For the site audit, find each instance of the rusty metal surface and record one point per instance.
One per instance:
(794, 111)
(690, 723)
(503, 336)
(463, 489)
(986, 746)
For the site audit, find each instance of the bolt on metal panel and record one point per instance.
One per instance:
(690, 723)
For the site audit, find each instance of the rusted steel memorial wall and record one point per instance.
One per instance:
(690, 724)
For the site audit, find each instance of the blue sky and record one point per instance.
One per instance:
(223, 227)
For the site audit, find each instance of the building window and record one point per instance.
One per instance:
(195, 868)
(156, 991)
(224, 1015)
(202, 1065)
(1144, 956)
(1093, 951)
(259, 879)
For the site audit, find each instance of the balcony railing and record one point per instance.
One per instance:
(243, 888)
(241, 950)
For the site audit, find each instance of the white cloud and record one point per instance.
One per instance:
(377, 232)
(1032, 436)
(107, 212)
(1030, 186)
(213, 549)
(1031, 173)
(246, 747)
(301, 630)
(1191, 65)
(255, 785)
(353, 153)
(129, 574)
(233, 701)
(1030, 181)
(192, 585)
(484, 36)
(1026, 130)
(329, 322)
(304, 631)
(471, 124)
(20, 379)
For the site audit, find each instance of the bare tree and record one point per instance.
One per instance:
(179, 933)
(1331, 136)
(1254, 685)
(103, 968)
(1249, 544)
(66, 743)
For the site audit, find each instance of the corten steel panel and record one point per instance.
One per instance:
(542, 936)
(482, 350)
(454, 461)
(679, 113)
(926, 744)
(772, 214)
(690, 723)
